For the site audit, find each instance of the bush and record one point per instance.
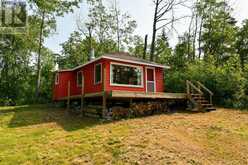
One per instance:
(227, 81)
(6, 102)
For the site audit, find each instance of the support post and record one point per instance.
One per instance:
(104, 100)
(68, 94)
(82, 96)
(188, 88)
(211, 99)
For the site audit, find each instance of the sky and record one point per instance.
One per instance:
(141, 10)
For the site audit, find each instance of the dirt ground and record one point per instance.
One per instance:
(39, 135)
(219, 137)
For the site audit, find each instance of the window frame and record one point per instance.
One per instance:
(57, 78)
(126, 85)
(99, 82)
(79, 85)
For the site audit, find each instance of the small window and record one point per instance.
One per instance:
(56, 78)
(98, 73)
(79, 79)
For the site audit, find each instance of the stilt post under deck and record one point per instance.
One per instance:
(104, 99)
(82, 96)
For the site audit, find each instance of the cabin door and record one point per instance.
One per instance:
(150, 80)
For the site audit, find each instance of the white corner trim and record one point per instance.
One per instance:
(126, 85)
(57, 78)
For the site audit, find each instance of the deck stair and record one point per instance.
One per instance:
(200, 98)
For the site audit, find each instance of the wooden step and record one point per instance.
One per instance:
(202, 101)
(207, 105)
(195, 95)
(209, 109)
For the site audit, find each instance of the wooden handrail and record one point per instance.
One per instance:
(205, 88)
(208, 90)
(190, 84)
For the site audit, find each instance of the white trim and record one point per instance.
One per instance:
(80, 66)
(96, 83)
(78, 85)
(154, 78)
(117, 59)
(126, 85)
(57, 78)
(136, 62)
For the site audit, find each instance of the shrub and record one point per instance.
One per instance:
(227, 81)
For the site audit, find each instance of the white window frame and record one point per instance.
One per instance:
(56, 78)
(95, 73)
(154, 78)
(126, 85)
(78, 85)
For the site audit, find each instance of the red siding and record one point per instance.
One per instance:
(159, 80)
(60, 90)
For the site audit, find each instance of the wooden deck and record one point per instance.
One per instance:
(133, 95)
(124, 94)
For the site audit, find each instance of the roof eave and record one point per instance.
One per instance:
(117, 59)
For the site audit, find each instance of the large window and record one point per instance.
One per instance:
(79, 79)
(126, 75)
(98, 73)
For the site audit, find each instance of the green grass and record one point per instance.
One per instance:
(46, 135)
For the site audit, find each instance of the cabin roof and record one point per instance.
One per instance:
(122, 57)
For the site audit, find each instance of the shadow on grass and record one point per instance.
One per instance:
(34, 115)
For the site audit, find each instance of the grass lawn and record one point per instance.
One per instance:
(43, 135)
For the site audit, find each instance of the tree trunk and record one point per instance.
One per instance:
(189, 38)
(154, 32)
(38, 82)
(194, 38)
(117, 27)
(145, 47)
(200, 38)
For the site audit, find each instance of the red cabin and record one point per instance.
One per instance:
(114, 77)
(123, 72)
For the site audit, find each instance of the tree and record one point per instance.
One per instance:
(219, 30)
(108, 26)
(16, 66)
(181, 52)
(122, 25)
(242, 44)
(74, 51)
(48, 10)
(164, 16)
(138, 47)
(163, 51)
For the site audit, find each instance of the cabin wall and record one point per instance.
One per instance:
(159, 72)
(60, 89)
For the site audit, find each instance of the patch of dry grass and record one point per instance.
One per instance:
(43, 135)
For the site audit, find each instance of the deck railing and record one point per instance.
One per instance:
(210, 93)
(193, 89)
